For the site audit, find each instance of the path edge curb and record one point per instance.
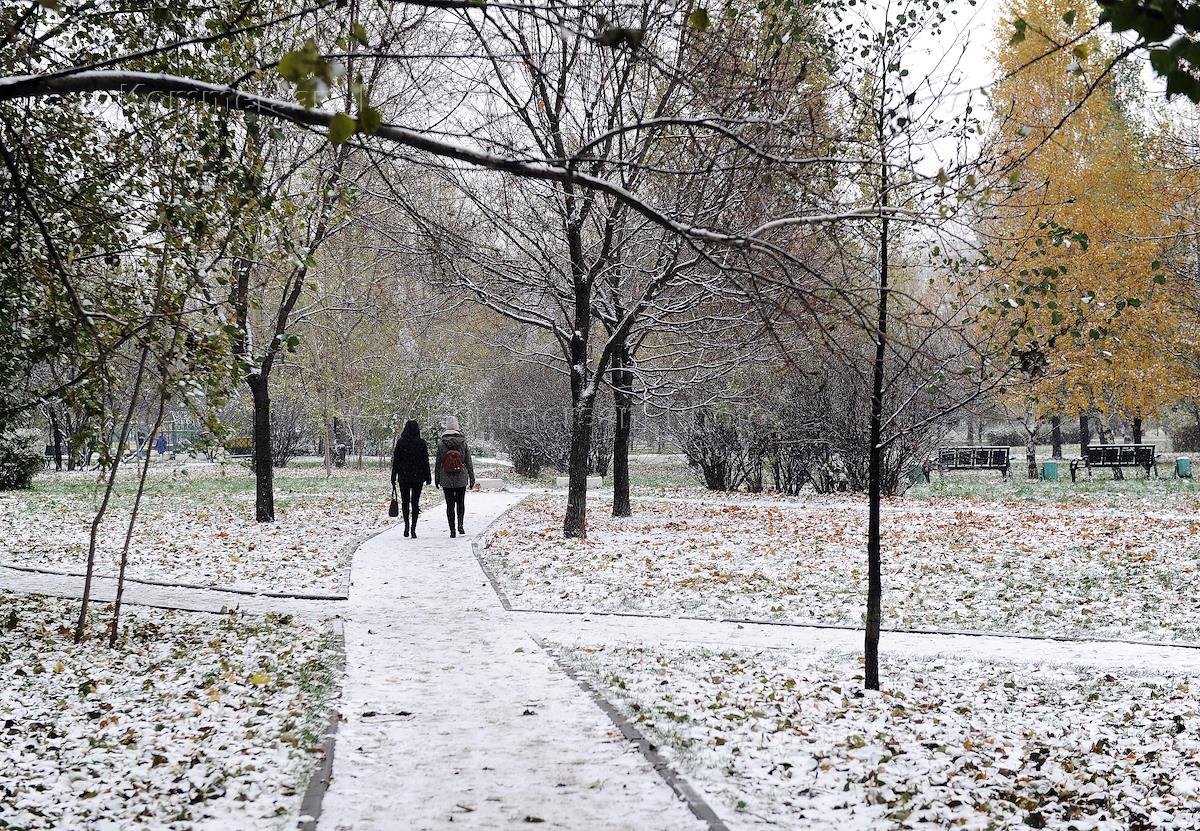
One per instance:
(478, 544)
(675, 780)
(322, 775)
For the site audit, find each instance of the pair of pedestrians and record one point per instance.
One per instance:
(452, 471)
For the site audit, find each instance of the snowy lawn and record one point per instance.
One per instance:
(960, 564)
(1131, 493)
(193, 721)
(197, 526)
(786, 740)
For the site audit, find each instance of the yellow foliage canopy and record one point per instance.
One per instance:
(1105, 323)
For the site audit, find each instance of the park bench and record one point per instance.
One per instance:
(1116, 456)
(969, 458)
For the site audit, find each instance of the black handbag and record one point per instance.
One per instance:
(394, 505)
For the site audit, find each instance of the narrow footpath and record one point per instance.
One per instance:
(596, 629)
(451, 715)
(187, 598)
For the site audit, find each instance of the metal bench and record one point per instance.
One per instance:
(969, 458)
(1116, 456)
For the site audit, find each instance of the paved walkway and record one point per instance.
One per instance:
(453, 717)
(165, 597)
(597, 629)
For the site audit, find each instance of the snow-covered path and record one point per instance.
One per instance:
(452, 716)
(187, 598)
(599, 629)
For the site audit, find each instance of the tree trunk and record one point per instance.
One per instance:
(94, 535)
(264, 464)
(328, 443)
(1137, 430)
(133, 516)
(56, 433)
(1056, 437)
(575, 521)
(1031, 438)
(875, 465)
(622, 384)
(972, 435)
(583, 388)
(1085, 434)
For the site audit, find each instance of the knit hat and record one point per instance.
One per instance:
(451, 425)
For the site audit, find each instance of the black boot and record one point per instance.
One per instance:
(406, 529)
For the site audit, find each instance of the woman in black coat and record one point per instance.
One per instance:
(410, 470)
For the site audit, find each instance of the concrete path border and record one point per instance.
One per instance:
(318, 782)
(477, 545)
(682, 788)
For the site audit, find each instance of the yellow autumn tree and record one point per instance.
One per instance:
(1176, 155)
(1094, 311)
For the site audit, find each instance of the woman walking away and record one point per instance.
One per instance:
(453, 471)
(410, 470)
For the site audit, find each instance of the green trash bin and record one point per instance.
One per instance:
(1183, 468)
(1050, 471)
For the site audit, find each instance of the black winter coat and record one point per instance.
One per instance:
(410, 462)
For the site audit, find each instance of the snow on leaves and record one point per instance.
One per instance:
(948, 564)
(200, 529)
(789, 741)
(193, 719)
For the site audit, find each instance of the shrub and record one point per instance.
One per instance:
(21, 456)
(527, 408)
(1186, 439)
(1009, 438)
(1015, 437)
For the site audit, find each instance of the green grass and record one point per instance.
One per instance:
(208, 485)
(303, 481)
(655, 475)
(1102, 489)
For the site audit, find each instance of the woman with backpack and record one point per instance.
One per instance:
(453, 472)
(410, 470)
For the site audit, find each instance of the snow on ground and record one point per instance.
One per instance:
(950, 563)
(193, 721)
(198, 527)
(783, 739)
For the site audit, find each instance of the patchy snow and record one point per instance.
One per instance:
(953, 564)
(782, 739)
(193, 721)
(198, 527)
(453, 717)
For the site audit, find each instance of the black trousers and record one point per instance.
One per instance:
(456, 501)
(410, 499)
